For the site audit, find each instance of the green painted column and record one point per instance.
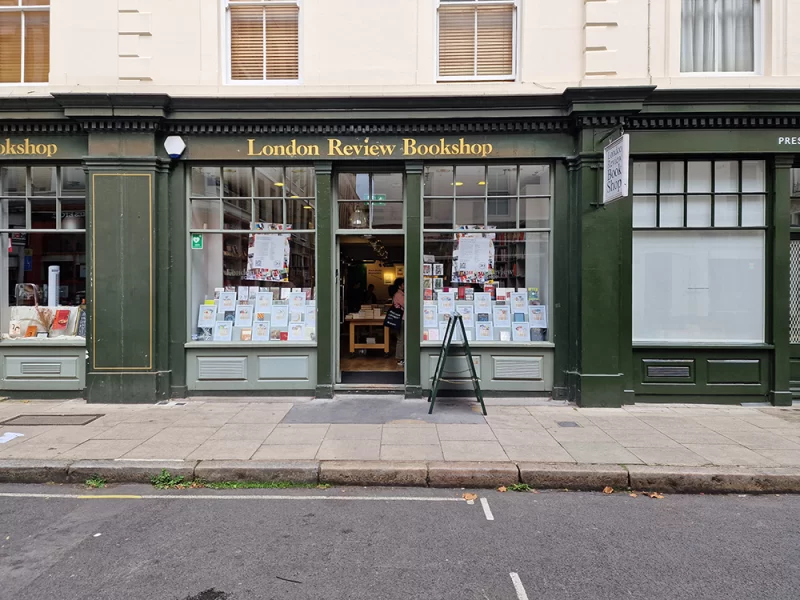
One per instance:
(780, 394)
(603, 230)
(560, 244)
(413, 272)
(128, 322)
(176, 277)
(327, 321)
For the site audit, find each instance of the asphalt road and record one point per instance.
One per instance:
(339, 544)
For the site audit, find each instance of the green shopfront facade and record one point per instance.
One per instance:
(687, 290)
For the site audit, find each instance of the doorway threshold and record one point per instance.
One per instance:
(368, 388)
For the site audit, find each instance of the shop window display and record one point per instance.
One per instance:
(42, 229)
(252, 254)
(487, 251)
(699, 251)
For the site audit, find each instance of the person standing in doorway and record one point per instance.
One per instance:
(370, 297)
(398, 293)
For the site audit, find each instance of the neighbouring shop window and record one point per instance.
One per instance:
(264, 40)
(24, 41)
(719, 35)
(370, 200)
(252, 256)
(486, 252)
(477, 39)
(42, 230)
(699, 263)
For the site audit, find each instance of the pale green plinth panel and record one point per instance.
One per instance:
(232, 368)
(32, 366)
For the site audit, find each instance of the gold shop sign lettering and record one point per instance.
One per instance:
(26, 148)
(404, 147)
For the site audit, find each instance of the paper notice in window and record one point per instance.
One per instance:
(473, 254)
(268, 252)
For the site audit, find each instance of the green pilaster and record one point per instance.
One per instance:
(780, 394)
(560, 243)
(599, 370)
(125, 341)
(327, 322)
(413, 271)
(176, 278)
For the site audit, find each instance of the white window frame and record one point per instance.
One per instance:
(758, 46)
(26, 9)
(227, 38)
(514, 41)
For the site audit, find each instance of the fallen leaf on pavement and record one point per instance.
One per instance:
(608, 490)
(502, 488)
(656, 495)
(632, 495)
(469, 496)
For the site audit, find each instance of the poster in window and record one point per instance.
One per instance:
(244, 315)
(467, 312)
(484, 332)
(261, 332)
(297, 300)
(227, 301)
(474, 255)
(519, 301)
(502, 316)
(483, 302)
(280, 315)
(521, 332)
(207, 316)
(223, 331)
(268, 255)
(446, 302)
(264, 301)
(430, 316)
(311, 316)
(297, 332)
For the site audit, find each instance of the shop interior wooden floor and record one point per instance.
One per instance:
(373, 362)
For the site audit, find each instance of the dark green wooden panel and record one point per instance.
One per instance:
(413, 277)
(327, 263)
(668, 371)
(121, 302)
(734, 371)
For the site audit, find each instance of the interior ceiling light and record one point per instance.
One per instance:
(279, 184)
(481, 183)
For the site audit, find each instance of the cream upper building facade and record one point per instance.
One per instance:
(392, 47)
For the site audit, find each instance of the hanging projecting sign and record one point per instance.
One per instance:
(615, 169)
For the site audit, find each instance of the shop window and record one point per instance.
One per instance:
(477, 39)
(264, 40)
(253, 254)
(486, 251)
(699, 262)
(24, 41)
(42, 229)
(720, 36)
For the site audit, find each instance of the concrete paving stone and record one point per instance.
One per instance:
(349, 450)
(33, 450)
(697, 436)
(476, 432)
(163, 450)
(732, 455)
(600, 453)
(412, 435)
(226, 450)
(369, 472)
(216, 420)
(669, 456)
(130, 431)
(787, 433)
(640, 409)
(627, 423)
(572, 477)
(510, 410)
(603, 412)
(287, 452)
(588, 433)
(128, 471)
(545, 454)
(408, 452)
(691, 480)
(180, 435)
(472, 474)
(524, 437)
(70, 434)
(473, 451)
(33, 470)
(297, 434)
(295, 471)
(354, 432)
(784, 458)
(768, 422)
(166, 416)
(28, 433)
(549, 422)
(240, 431)
(643, 440)
(101, 449)
(513, 421)
(726, 424)
(762, 440)
(271, 413)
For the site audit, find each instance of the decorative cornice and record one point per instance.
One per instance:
(344, 128)
(39, 127)
(712, 122)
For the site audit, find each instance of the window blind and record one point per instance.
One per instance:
(10, 47)
(24, 41)
(476, 40)
(37, 46)
(264, 42)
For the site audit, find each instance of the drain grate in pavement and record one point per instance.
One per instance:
(567, 424)
(31, 420)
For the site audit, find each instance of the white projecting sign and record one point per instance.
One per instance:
(615, 169)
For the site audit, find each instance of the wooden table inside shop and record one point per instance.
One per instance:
(364, 323)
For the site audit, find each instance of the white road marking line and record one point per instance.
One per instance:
(227, 497)
(486, 510)
(518, 586)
